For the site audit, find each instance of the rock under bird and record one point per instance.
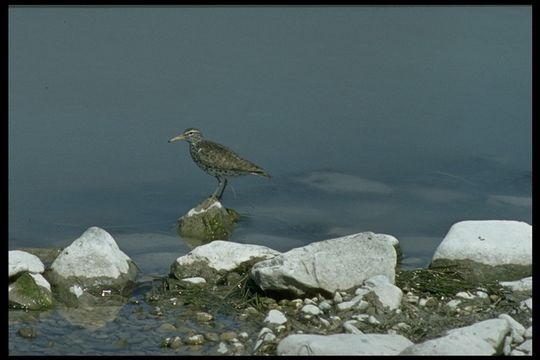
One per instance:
(217, 160)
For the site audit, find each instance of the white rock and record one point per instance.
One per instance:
(195, 280)
(343, 344)
(94, 254)
(275, 317)
(361, 317)
(77, 290)
(490, 242)
(329, 265)
(361, 291)
(482, 294)
(337, 297)
(528, 333)
(526, 304)
(507, 349)
(525, 346)
(19, 261)
(517, 330)
(361, 305)
(345, 305)
(325, 305)
(222, 348)
(465, 295)
(373, 320)
(265, 335)
(524, 284)
(311, 309)
(483, 338)
(309, 301)
(517, 353)
(388, 294)
(411, 298)
(453, 303)
(325, 322)
(350, 327)
(41, 281)
(225, 255)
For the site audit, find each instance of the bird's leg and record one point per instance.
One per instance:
(221, 187)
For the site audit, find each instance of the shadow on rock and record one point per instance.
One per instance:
(208, 221)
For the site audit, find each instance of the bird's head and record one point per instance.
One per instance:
(191, 135)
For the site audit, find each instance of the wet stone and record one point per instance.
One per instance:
(203, 317)
(195, 340)
(166, 327)
(27, 332)
(211, 337)
(228, 336)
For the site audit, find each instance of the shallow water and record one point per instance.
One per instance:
(399, 120)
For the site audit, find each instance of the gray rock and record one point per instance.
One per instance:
(206, 222)
(21, 261)
(388, 294)
(483, 338)
(329, 265)
(214, 260)
(93, 262)
(487, 250)
(343, 344)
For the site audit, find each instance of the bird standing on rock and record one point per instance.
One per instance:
(217, 160)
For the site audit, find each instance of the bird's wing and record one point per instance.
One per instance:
(224, 158)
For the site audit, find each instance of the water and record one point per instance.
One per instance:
(396, 120)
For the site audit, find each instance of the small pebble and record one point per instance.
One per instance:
(211, 336)
(297, 303)
(325, 305)
(27, 332)
(222, 348)
(275, 317)
(337, 297)
(228, 336)
(175, 343)
(195, 340)
(308, 301)
(166, 327)
(203, 317)
(311, 309)
(373, 320)
(350, 327)
(465, 295)
(453, 303)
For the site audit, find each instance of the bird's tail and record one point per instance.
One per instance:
(261, 173)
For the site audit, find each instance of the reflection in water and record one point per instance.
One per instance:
(91, 317)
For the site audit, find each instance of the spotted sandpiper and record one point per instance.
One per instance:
(217, 160)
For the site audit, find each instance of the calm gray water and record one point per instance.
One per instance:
(397, 120)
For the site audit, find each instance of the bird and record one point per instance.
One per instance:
(217, 160)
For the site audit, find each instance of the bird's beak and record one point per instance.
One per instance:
(177, 138)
